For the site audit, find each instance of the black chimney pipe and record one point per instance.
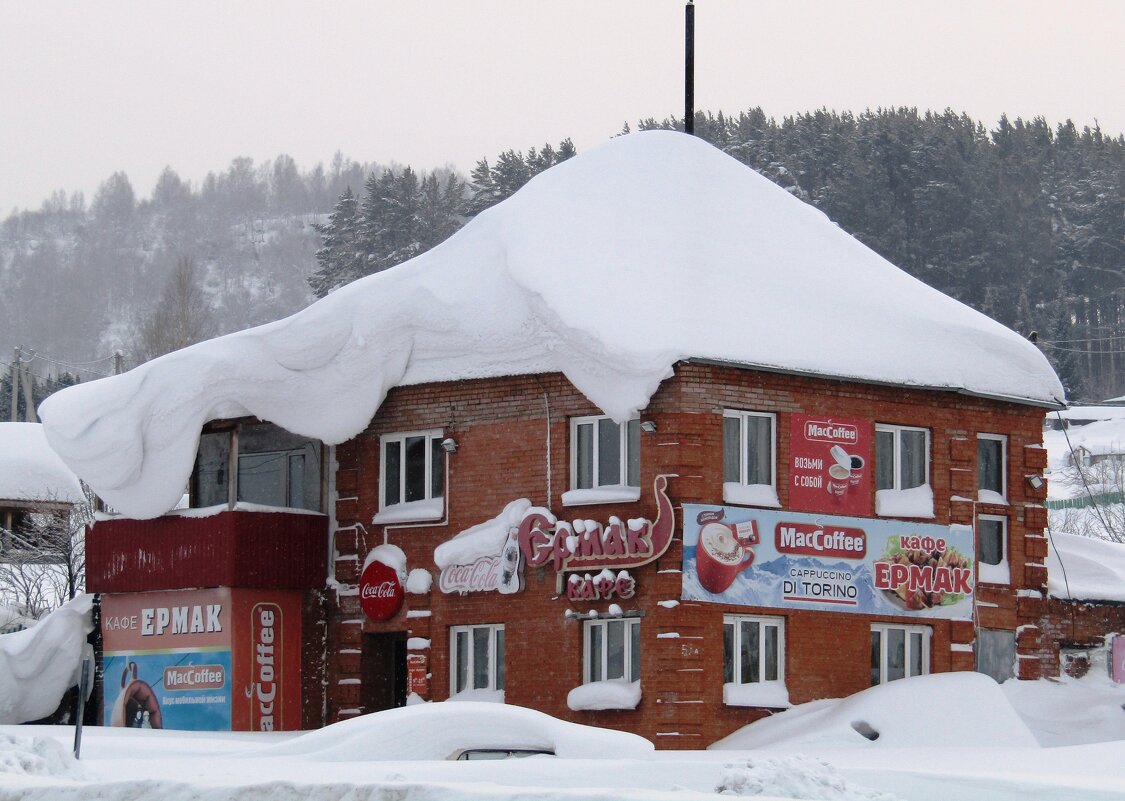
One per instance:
(689, 68)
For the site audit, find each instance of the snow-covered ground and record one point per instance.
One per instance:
(940, 737)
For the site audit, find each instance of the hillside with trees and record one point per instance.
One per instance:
(1024, 221)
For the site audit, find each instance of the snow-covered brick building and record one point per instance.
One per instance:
(651, 445)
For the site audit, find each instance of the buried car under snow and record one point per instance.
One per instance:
(460, 730)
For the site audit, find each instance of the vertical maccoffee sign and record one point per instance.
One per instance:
(830, 465)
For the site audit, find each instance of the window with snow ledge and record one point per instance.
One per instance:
(992, 468)
(754, 661)
(605, 461)
(992, 550)
(611, 665)
(411, 477)
(902, 471)
(749, 457)
(476, 662)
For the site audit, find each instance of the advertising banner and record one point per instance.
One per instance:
(167, 658)
(203, 660)
(789, 560)
(830, 465)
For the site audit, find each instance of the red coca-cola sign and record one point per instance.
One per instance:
(380, 591)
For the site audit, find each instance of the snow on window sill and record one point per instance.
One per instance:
(914, 502)
(994, 574)
(616, 493)
(991, 496)
(412, 512)
(487, 696)
(750, 494)
(772, 694)
(611, 694)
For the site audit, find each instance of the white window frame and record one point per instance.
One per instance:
(927, 638)
(401, 436)
(631, 660)
(627, 490)
(1003, 440)
(897, 430)
(741, 491)
(773, 691)
(496, 667)
(999, 573)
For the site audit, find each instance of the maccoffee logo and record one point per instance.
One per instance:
(266, 620)
(827, 431)
(805, 539)
(194, 677)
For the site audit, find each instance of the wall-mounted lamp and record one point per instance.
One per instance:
(1035, 481)
(648, 426)
(449, 445)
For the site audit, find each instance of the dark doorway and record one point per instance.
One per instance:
(384, 671)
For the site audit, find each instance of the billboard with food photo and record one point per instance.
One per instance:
(789, 560)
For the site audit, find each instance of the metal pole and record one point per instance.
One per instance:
(80, 706)
(689, 68)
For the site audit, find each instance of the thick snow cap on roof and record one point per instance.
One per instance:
(609, 268)
(30, 470)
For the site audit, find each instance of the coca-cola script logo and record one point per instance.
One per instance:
(380, 591)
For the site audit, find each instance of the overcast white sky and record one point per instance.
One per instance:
(93, 87)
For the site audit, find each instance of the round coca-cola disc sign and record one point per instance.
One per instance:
(380, 591)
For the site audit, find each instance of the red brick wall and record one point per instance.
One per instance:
(501, 427)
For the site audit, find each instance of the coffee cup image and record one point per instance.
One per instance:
(857, 465)
(720, 557)
(136, 705)
(839, 479)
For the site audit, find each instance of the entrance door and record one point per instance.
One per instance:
(384, 671)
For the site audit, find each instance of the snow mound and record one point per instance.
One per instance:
(798, 777)
(38, 665)
(440, 730)
(1068, 711)
(35, 756)
(30, 470)
(942, 709)
(608, 268)
(1085, 569)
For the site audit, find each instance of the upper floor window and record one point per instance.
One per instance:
(902, 471)
(992, 468)
(476, 658)
(749, 456)
(270, 466)
(605, 460)
(754, 661)
(411, 476)
(992, 549)
(898, 652)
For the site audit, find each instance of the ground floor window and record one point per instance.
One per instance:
(611, 649)
(754, 661)
(898, 652)
(476, 658)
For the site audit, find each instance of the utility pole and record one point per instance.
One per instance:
(29, 415)
(15, 384)
(118, 362)
(689, 68)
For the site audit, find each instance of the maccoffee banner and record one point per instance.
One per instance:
(788, 560)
